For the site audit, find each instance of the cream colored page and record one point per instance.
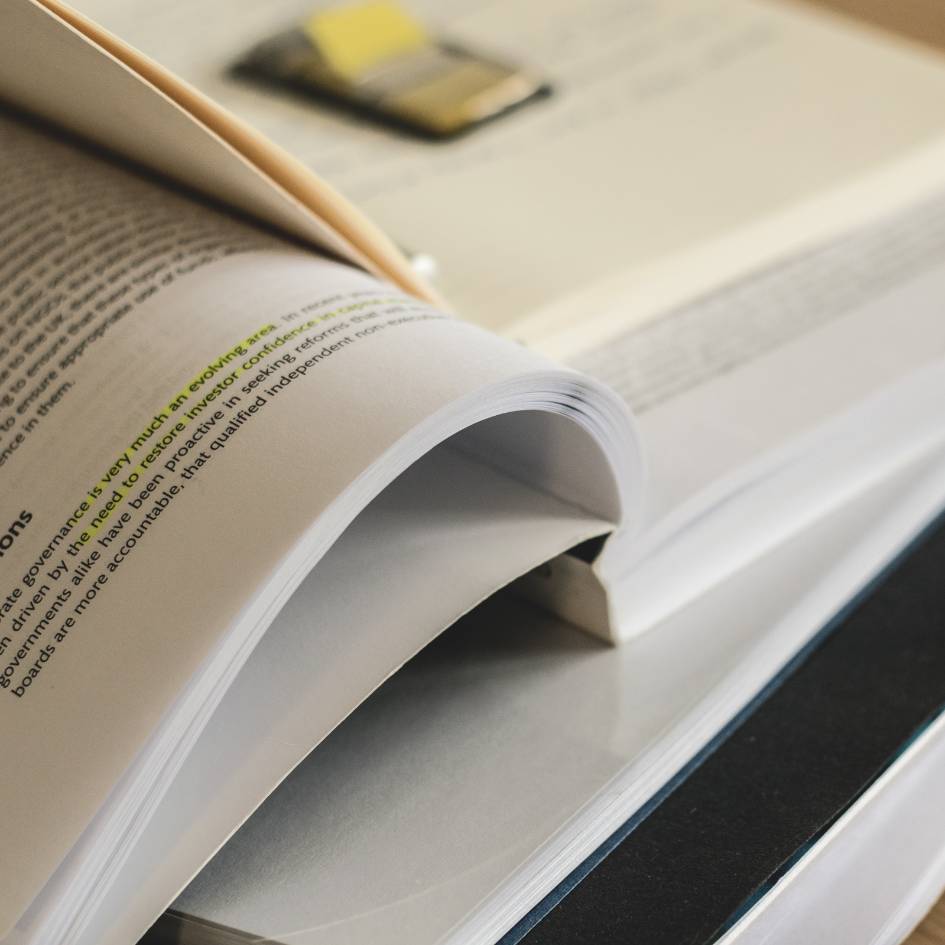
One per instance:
(181, 397)
(49, 69)
(76, 75)
(675, 123)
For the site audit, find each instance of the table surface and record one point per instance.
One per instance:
(922, 20)
(932, 929)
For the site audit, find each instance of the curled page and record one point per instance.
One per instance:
(193, 410)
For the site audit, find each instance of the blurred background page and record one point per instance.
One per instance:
(674, 124)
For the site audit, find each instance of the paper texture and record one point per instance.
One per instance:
(720, 214)
(460, 525)
(482, 741)
(675, 124)
(83, 79)
(193, 410)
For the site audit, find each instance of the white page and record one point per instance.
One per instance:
(767, 401)
(521, 745)
(454, 521)
(739, 373)
(124, 307)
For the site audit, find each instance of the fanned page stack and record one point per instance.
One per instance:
(251, 464)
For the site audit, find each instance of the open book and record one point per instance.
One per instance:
(251, 465)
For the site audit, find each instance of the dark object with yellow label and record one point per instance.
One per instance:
(379, 59)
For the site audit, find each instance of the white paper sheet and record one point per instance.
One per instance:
(519, 746)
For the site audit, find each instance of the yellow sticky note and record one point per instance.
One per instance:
(358, 36)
